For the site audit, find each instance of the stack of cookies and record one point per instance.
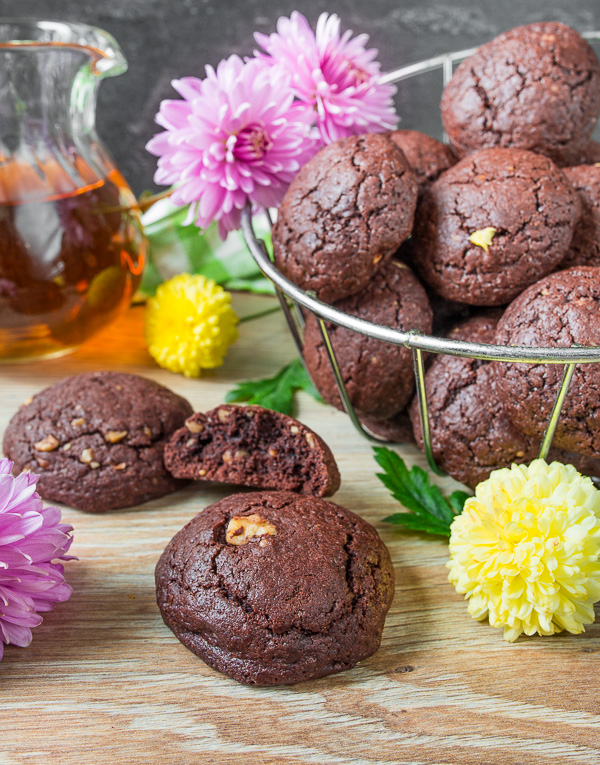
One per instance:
(500, 229)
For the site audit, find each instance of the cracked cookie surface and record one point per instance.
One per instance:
(471, 433)
(274, 588)
(378, 376)
(252, 446)
(428, 157)
(585, 245)
(518, 205)
(97, 439)
(345, 213)
(535, 87)
(559, 311)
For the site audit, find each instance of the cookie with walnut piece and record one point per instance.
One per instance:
(492, 225)
(97, 439)
(273, 588)
(252, 446)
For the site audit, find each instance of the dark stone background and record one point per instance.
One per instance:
(165, 39)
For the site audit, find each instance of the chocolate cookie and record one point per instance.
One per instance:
(559, 311)
(274, 588)
(97, 440)
(493, 224)
(378, 376)
(590, 155)
(397, 429)
(585, 245)
(471, 434)
(535, 87)
(252, 446)
(344, 214)
(427, 157)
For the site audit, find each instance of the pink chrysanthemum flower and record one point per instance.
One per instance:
(236, 137)
(31, 538)
(335, 76)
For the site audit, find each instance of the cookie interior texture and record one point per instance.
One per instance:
(274, 588)
(97, 439)
(252, 446)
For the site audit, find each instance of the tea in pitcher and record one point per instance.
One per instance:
(71, 244)
(69, 260)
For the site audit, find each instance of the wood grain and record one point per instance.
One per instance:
(104, 681)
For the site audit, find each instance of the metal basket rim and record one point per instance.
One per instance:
(415, 340)
(410, 339)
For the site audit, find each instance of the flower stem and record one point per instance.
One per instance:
(260, 314)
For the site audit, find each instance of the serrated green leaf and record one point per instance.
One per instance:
(457, 501)
(418, 523)
(412, 488)
(276, 392)
(431, 511)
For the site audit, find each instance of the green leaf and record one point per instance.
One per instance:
(431, 511)
(457, 500)
(174, 248)
(276, 392)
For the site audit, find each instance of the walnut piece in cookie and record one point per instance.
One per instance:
(492, 225)
(252, 446)
(379, 376)
(97, 440)
(242, 529)
(535, 87)
(344, 215)
(309, 602)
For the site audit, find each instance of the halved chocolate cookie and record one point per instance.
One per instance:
(252, 446)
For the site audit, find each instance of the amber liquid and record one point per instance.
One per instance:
(70, 260)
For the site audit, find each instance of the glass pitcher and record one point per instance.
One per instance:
(72, 249)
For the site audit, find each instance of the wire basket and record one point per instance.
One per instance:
(292, 298)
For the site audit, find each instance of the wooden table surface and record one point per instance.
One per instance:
(104, 681)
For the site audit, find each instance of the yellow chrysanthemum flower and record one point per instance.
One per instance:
(525, 550)
(190, 324)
